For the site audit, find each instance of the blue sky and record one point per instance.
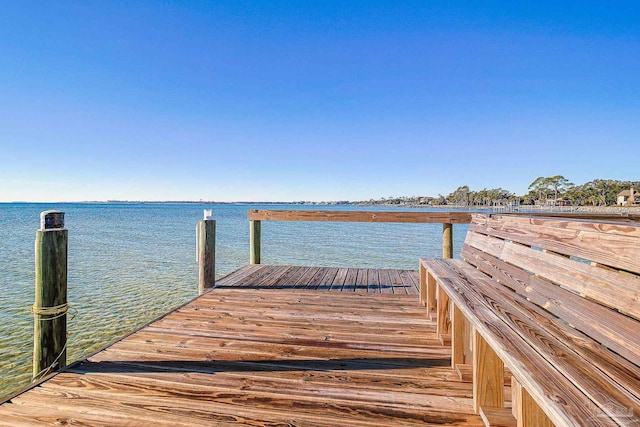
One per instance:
(313, 100)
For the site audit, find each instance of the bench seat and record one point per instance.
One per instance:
(577, 369)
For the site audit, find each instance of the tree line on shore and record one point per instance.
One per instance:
(553, 190)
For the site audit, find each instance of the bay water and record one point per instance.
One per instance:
(129, 263)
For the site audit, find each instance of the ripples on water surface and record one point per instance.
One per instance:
(129, 263)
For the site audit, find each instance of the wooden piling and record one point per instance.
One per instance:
(254, 241)
(50, 304)
(447, 240)
(206, 239)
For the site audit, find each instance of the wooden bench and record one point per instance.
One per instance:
(554, 300)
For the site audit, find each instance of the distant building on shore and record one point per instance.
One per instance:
(627, 197)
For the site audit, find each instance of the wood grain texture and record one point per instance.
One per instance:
(445, 340)
(613, 289)
(488, 375)
(443, 316)
(289, 278)
(447, 240)
(465, 372)
(616, 331)
(339, 280)
(362, 280)
(395, 281)
(615, 218)
(373, 281)
(266, 356)
(255, 241)
(497, 417)
(536, 257)
(410, 282)
(528, 412)
(609, 223)
(350, 280)
(606, 391)
(485, 243)
(543, 333)
(564, 403)
(360, 216)
(237, 275)
(612, 244)
(50, 330)
(206, 239)
(516, 389)
(423, 284)
(431, 293)
(386, 281)
(277, 273)
(457, 337)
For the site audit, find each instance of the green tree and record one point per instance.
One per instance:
(440, 200)
(540, 186)
(499, 194)
(602, 192)
(598, 192)
(481, 197)
(460, 196)
(559, 184)
(546, 185)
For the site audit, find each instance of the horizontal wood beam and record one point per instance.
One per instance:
(580, 215)
(360, 216)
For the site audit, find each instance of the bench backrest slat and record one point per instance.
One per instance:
(611, 288)
(614, 330)
(584, 272)
(612, 244)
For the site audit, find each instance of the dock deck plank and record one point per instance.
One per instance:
(270, 345)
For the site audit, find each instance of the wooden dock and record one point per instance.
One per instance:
(401, 282)
(268, 346)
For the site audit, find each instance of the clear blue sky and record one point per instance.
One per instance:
(313, 100)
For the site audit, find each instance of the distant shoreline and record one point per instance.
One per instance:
(523, 208)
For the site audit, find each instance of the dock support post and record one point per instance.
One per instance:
(431, 295)
(525, 410)
(206, 240)
(254, 242)
(423, 283)
(443, 319)
(457, 337)
(50, 304)
(447, 240)
(488, 376)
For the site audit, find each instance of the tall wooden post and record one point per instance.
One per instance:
(447, 240)
(50, 304)
(254, 242)
(206, 240)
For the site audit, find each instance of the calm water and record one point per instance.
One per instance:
(129, 263)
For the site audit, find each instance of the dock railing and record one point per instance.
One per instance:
(447, 219)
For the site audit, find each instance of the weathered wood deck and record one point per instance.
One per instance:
(402, 282)
(253, 353)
